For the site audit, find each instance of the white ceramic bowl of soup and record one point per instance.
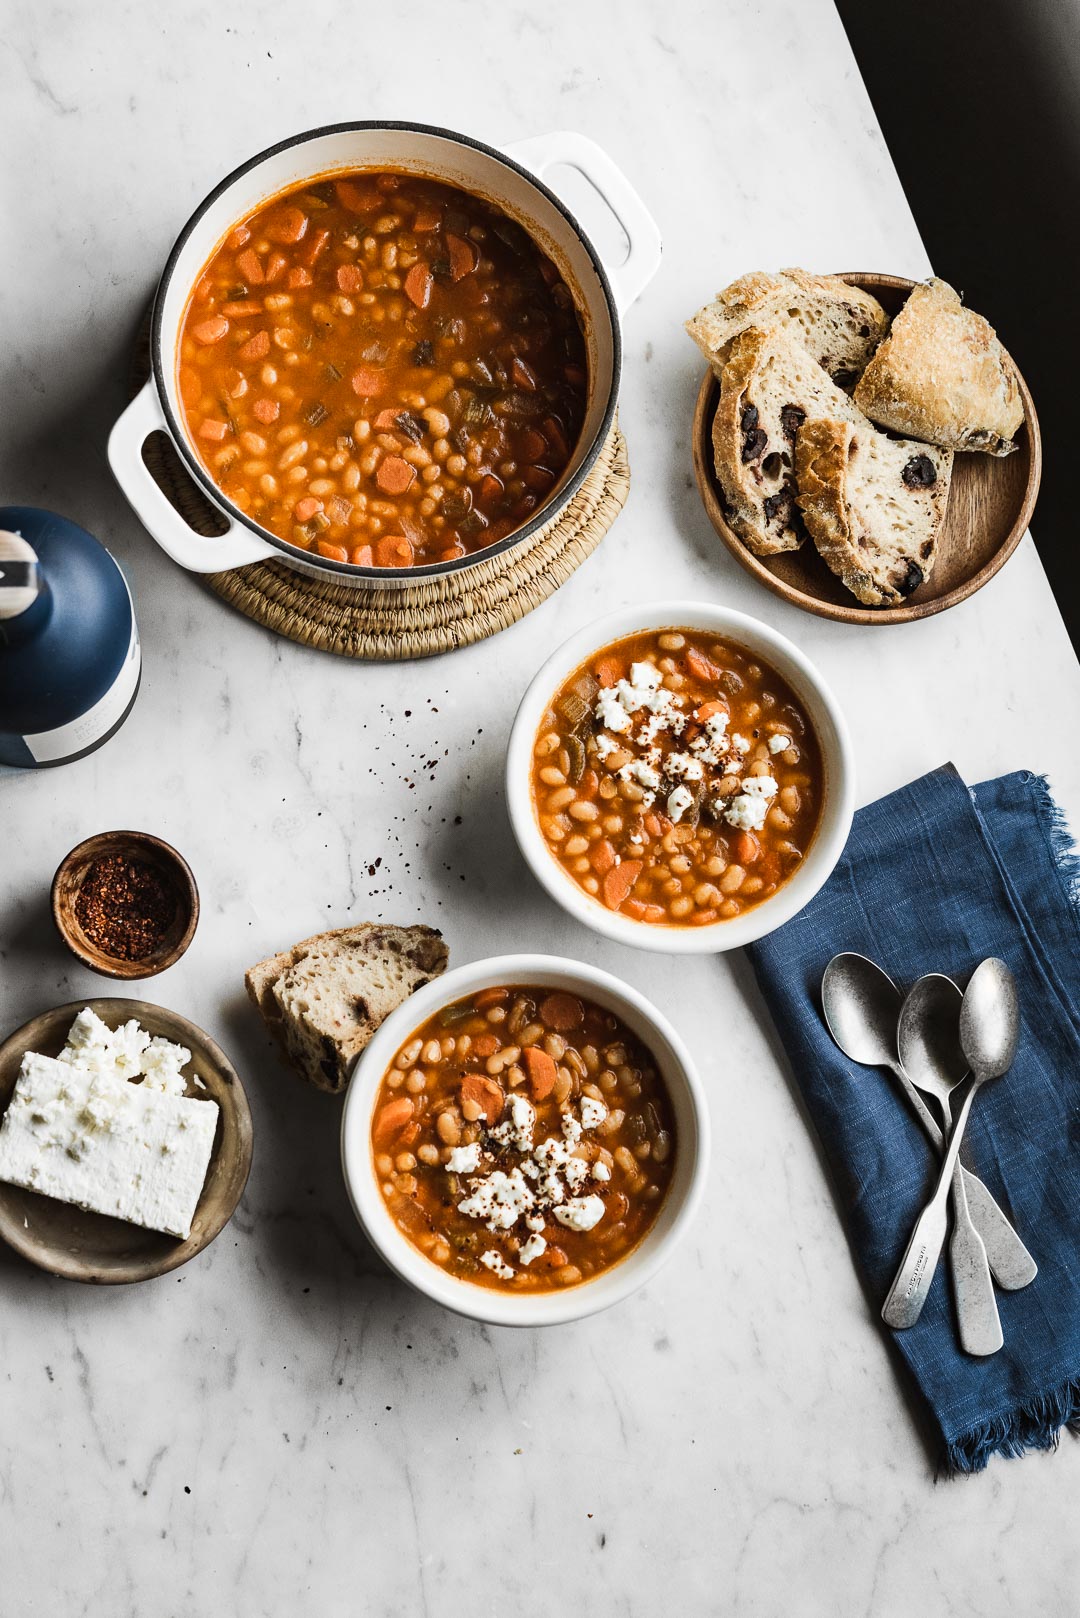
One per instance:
(773, 651)
(680, 1080)
(512, 181)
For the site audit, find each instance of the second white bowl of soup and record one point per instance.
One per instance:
(680, 778)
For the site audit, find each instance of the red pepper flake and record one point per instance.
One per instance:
(125, 908)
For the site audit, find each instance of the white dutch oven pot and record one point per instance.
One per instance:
(511, 180)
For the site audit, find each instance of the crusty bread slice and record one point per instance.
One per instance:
(838, 324)
(324, 998)
(942, 376)
(873, 505)
(769, 385)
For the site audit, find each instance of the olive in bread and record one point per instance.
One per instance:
(873, 505)
(324, 998)
(943, 377)
(838, 324)
(768, 387)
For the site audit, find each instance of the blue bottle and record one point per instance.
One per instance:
(70, 660)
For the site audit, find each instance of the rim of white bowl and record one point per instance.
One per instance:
(829, 724)
(680, 1077)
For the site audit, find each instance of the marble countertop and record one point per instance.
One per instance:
(281, 1427)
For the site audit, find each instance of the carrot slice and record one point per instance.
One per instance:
(707, 709)
(602, 857)
(316, 246)
(287, 225)
(257, 347)
(366, 380)
(356, 197)
(556, 437)
(639, 911)
(618, 882)
(394, 475)
(700, 666)
(393, 1117)
(350, 278)
(608, 670)
(463, 256)
(485, 1044)
(393, 550)
(427, 220)
(250, 266)
(485, 1093)
(541, 1071)
(361, 556)
(240, 311)
(746, 848)
(522, 375)
(589, 784)
(534, 446)
(239, 236)
(489, 997)
(418, 286)
(307, 507)
(490, 488)
(334, 553)
(276, 265)
(210, 331)
(266, 410)
(298, 277)
(386, 421)
(215, 431)
(561, 1012)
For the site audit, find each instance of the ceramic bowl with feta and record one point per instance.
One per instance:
(525, 1140)
(125, 1140)
(679, 777)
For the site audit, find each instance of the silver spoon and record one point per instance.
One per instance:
(929, 1040)
(989, 1029)
(930, 1051)
(862, 1009)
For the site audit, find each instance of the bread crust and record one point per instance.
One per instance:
(841, 325)
(942, 376)
(881, 570)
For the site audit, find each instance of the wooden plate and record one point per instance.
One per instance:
(82, 1246)
(991, 499)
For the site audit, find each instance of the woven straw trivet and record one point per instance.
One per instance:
(420, 620)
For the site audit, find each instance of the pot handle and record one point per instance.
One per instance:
(197, 552)
(630, 278)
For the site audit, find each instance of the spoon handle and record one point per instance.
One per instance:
(1011, 1265)
(1010, 1262)
(973, 1289)
(908, 1293)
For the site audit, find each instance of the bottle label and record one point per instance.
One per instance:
(79, 735)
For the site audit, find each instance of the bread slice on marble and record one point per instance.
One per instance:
(838, 324)
(769, 386)
(943, 377)
(873, 505)
(324, 998)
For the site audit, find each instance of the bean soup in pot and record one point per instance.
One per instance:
(383, 369)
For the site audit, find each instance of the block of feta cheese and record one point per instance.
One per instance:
(88, 1136)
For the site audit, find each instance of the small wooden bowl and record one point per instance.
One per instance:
(170, 866)
(81, 1246)
(991, 499)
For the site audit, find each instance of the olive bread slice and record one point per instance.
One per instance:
(768, 387)
(873, 505)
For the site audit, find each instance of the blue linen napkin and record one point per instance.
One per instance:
(935, 877)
